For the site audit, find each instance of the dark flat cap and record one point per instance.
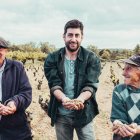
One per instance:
(134, 60)
(3, 43)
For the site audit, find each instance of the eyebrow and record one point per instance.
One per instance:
(74, 34)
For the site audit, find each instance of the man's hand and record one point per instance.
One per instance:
(75, 104)
(124, 130)
(66, 102)
(65, 99)
(116, 126)
(127, 131)
(1, 108)
(79, 102)
(12, 105)
(8, 109)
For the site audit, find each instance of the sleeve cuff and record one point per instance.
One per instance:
(55, 88)
(7, 101)
(87, 89)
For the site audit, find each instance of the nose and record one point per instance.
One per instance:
(124, 72)
(73, 38)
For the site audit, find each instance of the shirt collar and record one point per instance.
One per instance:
(137, 90)
(79, 56)
(3, 66)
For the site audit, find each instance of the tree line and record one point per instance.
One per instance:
(30, 51)
(33, 51)
(114, 54)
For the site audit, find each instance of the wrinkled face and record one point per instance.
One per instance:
(3, 52)
(131, 74)
(73, 39)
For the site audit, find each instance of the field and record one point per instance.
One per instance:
(40, 124)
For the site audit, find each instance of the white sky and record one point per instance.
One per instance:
(107, 23)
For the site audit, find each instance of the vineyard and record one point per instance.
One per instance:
(32, 55)
(40, 122)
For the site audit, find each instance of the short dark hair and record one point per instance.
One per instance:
(74, 24)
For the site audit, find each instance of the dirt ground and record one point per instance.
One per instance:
(40, 124)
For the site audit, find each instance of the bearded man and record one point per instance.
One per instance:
(72, 73)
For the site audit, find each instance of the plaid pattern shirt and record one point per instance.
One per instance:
(126, 104)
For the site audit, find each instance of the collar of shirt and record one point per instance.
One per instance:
(136, 90)
(2, 68)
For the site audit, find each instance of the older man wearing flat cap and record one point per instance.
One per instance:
(15, 97)
(125, 113)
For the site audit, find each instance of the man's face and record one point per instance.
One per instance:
(131, 74)
(3, 52)
(73, 39)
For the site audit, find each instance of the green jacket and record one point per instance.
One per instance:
(87, 73)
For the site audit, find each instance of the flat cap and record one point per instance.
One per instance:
(134, 60)
(3, 43)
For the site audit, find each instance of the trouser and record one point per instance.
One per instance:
(64, 130)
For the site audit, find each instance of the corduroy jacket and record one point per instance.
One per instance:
(15, 86)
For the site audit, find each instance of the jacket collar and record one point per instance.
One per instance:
(8, 63)
(62, 52)
(79, 56)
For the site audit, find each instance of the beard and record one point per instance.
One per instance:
(72, 49)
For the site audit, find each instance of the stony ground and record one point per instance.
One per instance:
(40, 124)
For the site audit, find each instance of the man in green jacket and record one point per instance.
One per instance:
(72, 73)
(125, 113)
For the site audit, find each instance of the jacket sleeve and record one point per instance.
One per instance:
(51, 73)
(92, 74)
(118, 111)
(24, 94)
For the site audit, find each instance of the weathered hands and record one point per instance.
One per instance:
(65, 99)
(74, 104)
(124, 130)
(8, 109)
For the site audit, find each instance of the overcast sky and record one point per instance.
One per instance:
(107, 23)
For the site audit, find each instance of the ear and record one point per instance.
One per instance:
(6, 50)
(63, 36)
(82, 37)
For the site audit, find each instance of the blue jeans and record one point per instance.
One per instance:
(64, 129)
